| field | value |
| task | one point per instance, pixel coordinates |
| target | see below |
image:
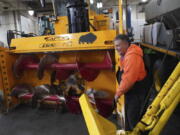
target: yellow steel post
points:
(120, 104)
(120, 17)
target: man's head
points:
(122, 43)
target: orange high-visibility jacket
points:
(132, 65)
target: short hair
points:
(122, 37)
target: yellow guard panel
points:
(96, 124)
(99, 40)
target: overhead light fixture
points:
(144, 1)
(31, 12)
(91, 1)
(99, 5)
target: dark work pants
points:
(134, 103)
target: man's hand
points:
(116, 97)
(115, 102)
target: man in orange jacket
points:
(132, 79)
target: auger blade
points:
(20, 89)
(88, 74)
(63, 74)
(21, 63)
(47, 60)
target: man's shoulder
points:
(134, 50)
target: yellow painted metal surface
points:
(91, 20)
(61, 25)
(120, 104)
(121, 31)
(92, 13)
(157, 82)
(65, 42)
(155, 105)
(1, 74)
(101, 22)
(162, 50)
(168, 105)
(1, 81)
(8, 79)
(105, 82)
(96, 124)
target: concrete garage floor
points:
(27, 121)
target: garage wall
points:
(16, 21)
(115, 18)
(6, 23)
(29, 25)
(137, 20)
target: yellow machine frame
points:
(69, 47)
(64, 42)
